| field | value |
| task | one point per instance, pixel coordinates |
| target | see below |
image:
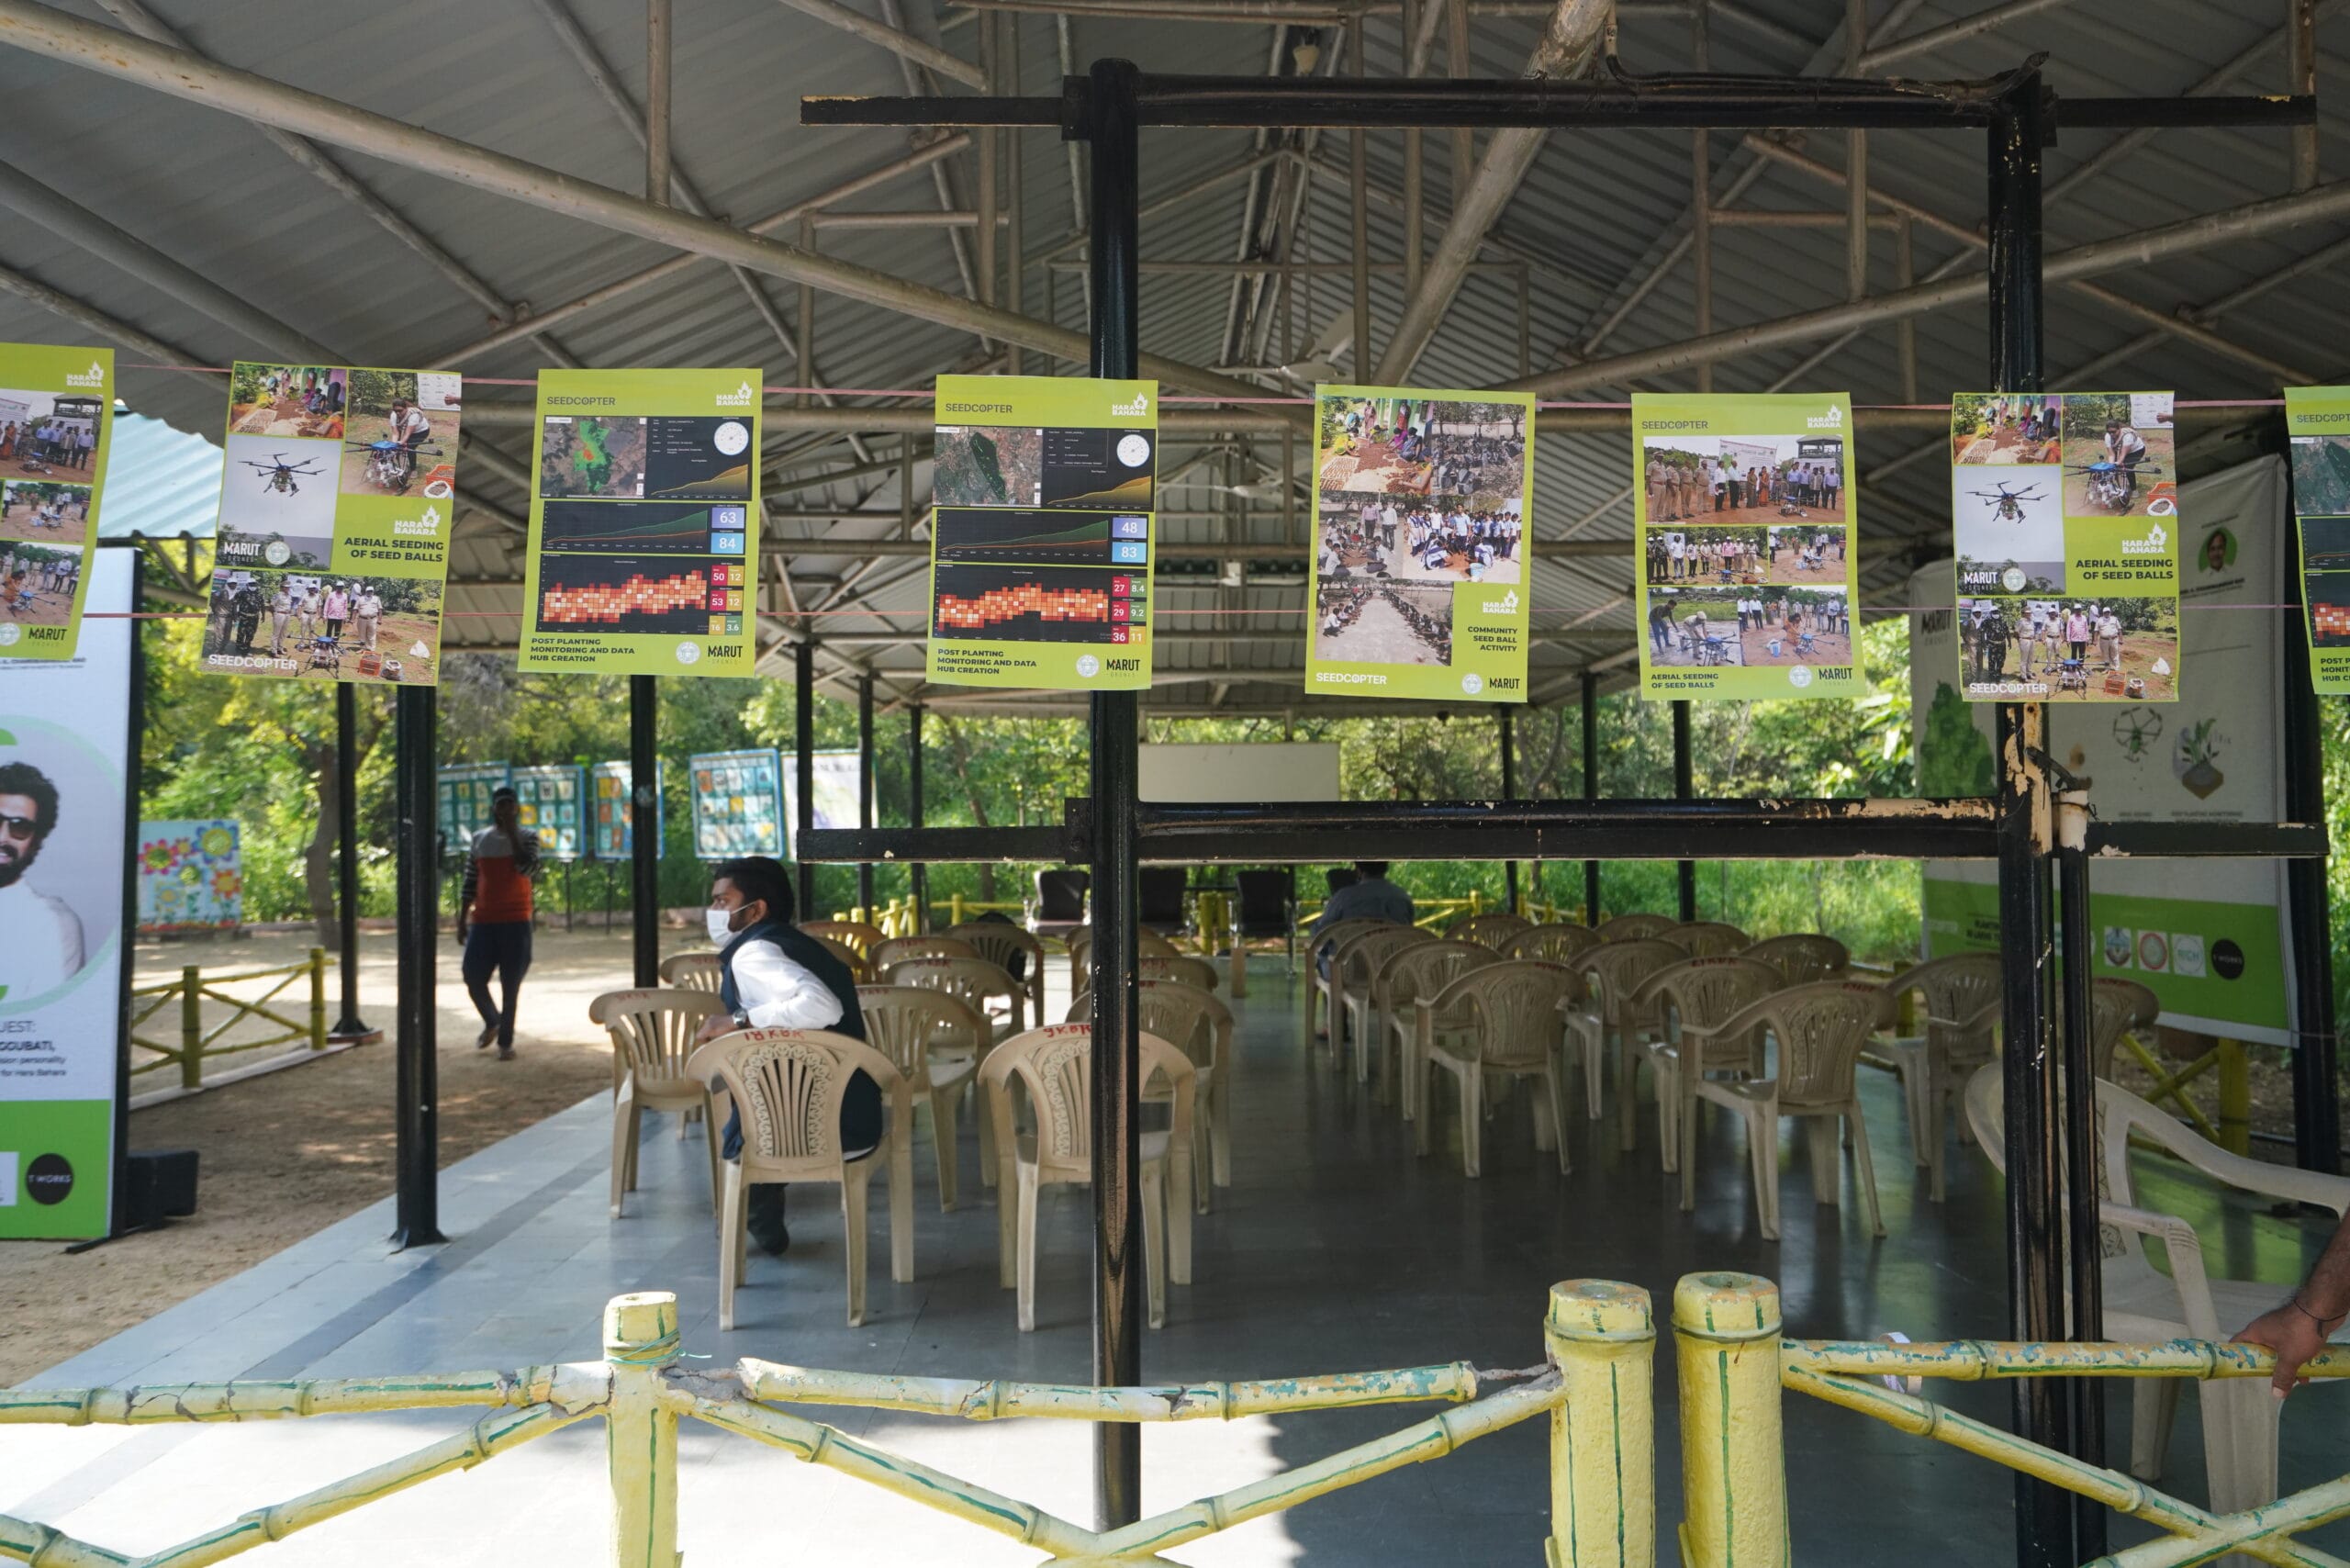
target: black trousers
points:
(503, 947)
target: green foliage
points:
(1956, 757)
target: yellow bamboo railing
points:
(197, 1044)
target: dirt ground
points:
(1827, 647)
(2007, 445)
(288, 1153)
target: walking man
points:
(494, 917)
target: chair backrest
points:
(1958, 990)
(2119, 1007)
(1558, 944)
(693, 971)
(652, 1031)
(1801, 957)
(1361, 957)
(1198, 1024)
(1267, 904)
(1820, 1029)
(1147, 943)
(1055, 1065)
(1158, 895)
(1181, 967)
(860, 969)
(1613, 970)
(853, 934)
(1335, 935)
(1492, 929)
(906, 1023)
(1000, 943)
(898, 949)
(973, 981)
(1635, 927)
(1513, 1004)
(1706, 938)
(787, 1085)
(1703, 992)
(1060, 895)
(1424, 968)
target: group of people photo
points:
(288, 400)
(36, 583)
(1431, 539)
(31, 510)
(1384, 623)
(1696, 626)
(1732, 479)
(1423, 446)
(305, 623)
(2004, 427)
(1732, 558)
(47, 432)
(2120, 649)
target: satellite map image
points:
(588, 455)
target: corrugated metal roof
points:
(1593, 215)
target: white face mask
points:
(721, 931)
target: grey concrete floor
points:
(1334, 1250)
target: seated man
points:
(775, 976)
(1371, 897)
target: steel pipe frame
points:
(1974, 26)
(923, 52)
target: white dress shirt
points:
(44, 946)
(778, 994)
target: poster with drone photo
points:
(335, 510)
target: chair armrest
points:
(2329, 1193)
(2184, 1250)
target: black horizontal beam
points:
(2232, 841)
(839, 845)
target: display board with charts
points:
(336, 503)
(644, 548)
(2066, 506)
(1041, 532)
(738, 803)
(552, 801)
(2318, 421)
(611, 832)
(191, 877)
(1744, 544)
(1422, 582)
(56, 414)
(462, 794)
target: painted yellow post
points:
(1476, 901)
(955, 911)
(2235, 1098)
(1733, 1469)
(640, 1435)
(191, 1027)
(1601, 1336)
(318, 999)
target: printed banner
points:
(56, 411)
(191, 877)
(612, 835)
(738, 803)
(2318, 419)
(837, 774)
(645, 523)
(65, 750)
(1041, 533)
(463, 791)
(1744, 531)
(1421, 586)
(336, 504)
(2067, 509)
(552, 800)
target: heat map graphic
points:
(1044, 607)
(639, 601)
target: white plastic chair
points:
(1511, 1032)
(1612, 973)
(2118, 1007)
(1160, 966)
(2144, 1304)
(1963, 994)
(788, 1084)
(975, 982)
(855, 934)
(1322, 999)
(1491, 929)
(937, 1040)
(1054, 1066)
(653, 1034)
(1687, 1000)
(1552, 943)
(1708, 939)
(998, 941)
(1353, 968)
(1200, 1027)
(1148, 944)
(1802, 956)
(1635, 927)
(1419, 969)
(693, 971)
(1820, 1029)
(903, 949)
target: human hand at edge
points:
(2294, 1334)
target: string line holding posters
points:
(56, 412)
(645, 523)
(1042, 533)
(2065, 507)
(2318, 421)
(1748, 571)
(336, 503)
(1421, 585)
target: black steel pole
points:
(2084, 1248)
(644, 826)
(2044, 1525)
(2317, 1065)
(1505, 721)
(803, 741)
(918, 874)
(1118, 1314)
(1590, 787)
(417, 1080)
(1683, 789)
(120, 1216)
(864, 789)
(350, 1026)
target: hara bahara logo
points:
(741, 397)
(1505, 605)
(1138, 409)
(2155, 543)
(425, 527)
(1833, 420)
(93, 376)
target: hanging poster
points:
(611, 834)
(56, 410)
(837, 774)
(645, 523)
(1420, 581)
(336, 503)
(463, 791)
(2318, 419)
(552, 800)
(65, 749)
(191, 877)
(738, 803)
(1041, 533)
(2066, 512)
(1744, 535)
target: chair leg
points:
(1863, 1166)
(1183, 1174)
(1666, 1075)
(1932, 1092)
(2154, 1405)
(1685, 1144)
(987, 1141)
(1554, 1083)
(2239, 1444)
(1007, 1225)
(1546, 1127)
(1202, 1157)
(1471, 1084)
(1156, 1207)
(1423, 1092)
(900, 1142)
(710, 1141)
(945, 1106)
(1027, 1248)
(854, 1182)
(1820, 1134)
(1220, 1128)
(1627, 1091)
(1587, 1052)
(623, 1144)
(1763, 1154)
(731, 1221)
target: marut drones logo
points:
(741, 397)
(93, 376)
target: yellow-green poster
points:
(1748, 569)
(2318, 419)
(56, 411)
(645, 523)
(1041, 533)
(1421, 579)
(336, 503)
(2066, 506)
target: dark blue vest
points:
(861, 1121)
